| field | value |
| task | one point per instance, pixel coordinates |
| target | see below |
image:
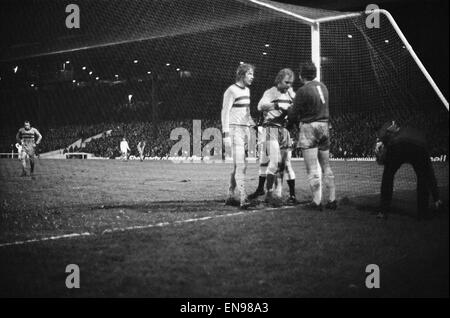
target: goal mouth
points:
(164, 64)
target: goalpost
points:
(179, 57)
(403, 39)
(373, 75)
(316, 41)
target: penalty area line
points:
(51, 238)
(140, 227)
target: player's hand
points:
(275, 105)
(227, 142)
(438, 205)
(290, 125)
(380, 153)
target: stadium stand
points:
(150, 78)
(353, 134)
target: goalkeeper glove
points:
(290, 125)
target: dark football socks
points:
(262, 180)
(291, 184)
(270, 181)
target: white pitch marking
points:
(139, 227)
(47, 239)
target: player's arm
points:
(38, 135)
(251, 120)
(267, 102)
(380, 152)
(291, 93)
(294, 112)
(18, 137)
(228, 100)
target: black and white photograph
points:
(240, 150)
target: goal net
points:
(144, 68)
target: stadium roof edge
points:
(262, 9)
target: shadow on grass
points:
(404, 203)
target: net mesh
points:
(142, 68)
(373, 78)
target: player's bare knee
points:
(314, 181)
(240, 168)
(272, 168)
(289, 171)
(328, 173)
(314, 177)
(290, 175)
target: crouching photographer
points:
(395, 147)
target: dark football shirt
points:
(311, 103)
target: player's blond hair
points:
(282, 74)
(242, 70)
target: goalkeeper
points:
(310, 109)
(396, 146)
(28, 138)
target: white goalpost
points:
(316, 39)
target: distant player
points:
(124, 149)
(28, 138)
(395, 147)
(236, 123)
(140, 148)
(277, 143)
(310, 109)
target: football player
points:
(275, 141)
(310, 109)
(236, 125)
(124, 149)
(28, 138)
(140, 148)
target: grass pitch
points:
(160, 229)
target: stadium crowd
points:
(353, 135)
